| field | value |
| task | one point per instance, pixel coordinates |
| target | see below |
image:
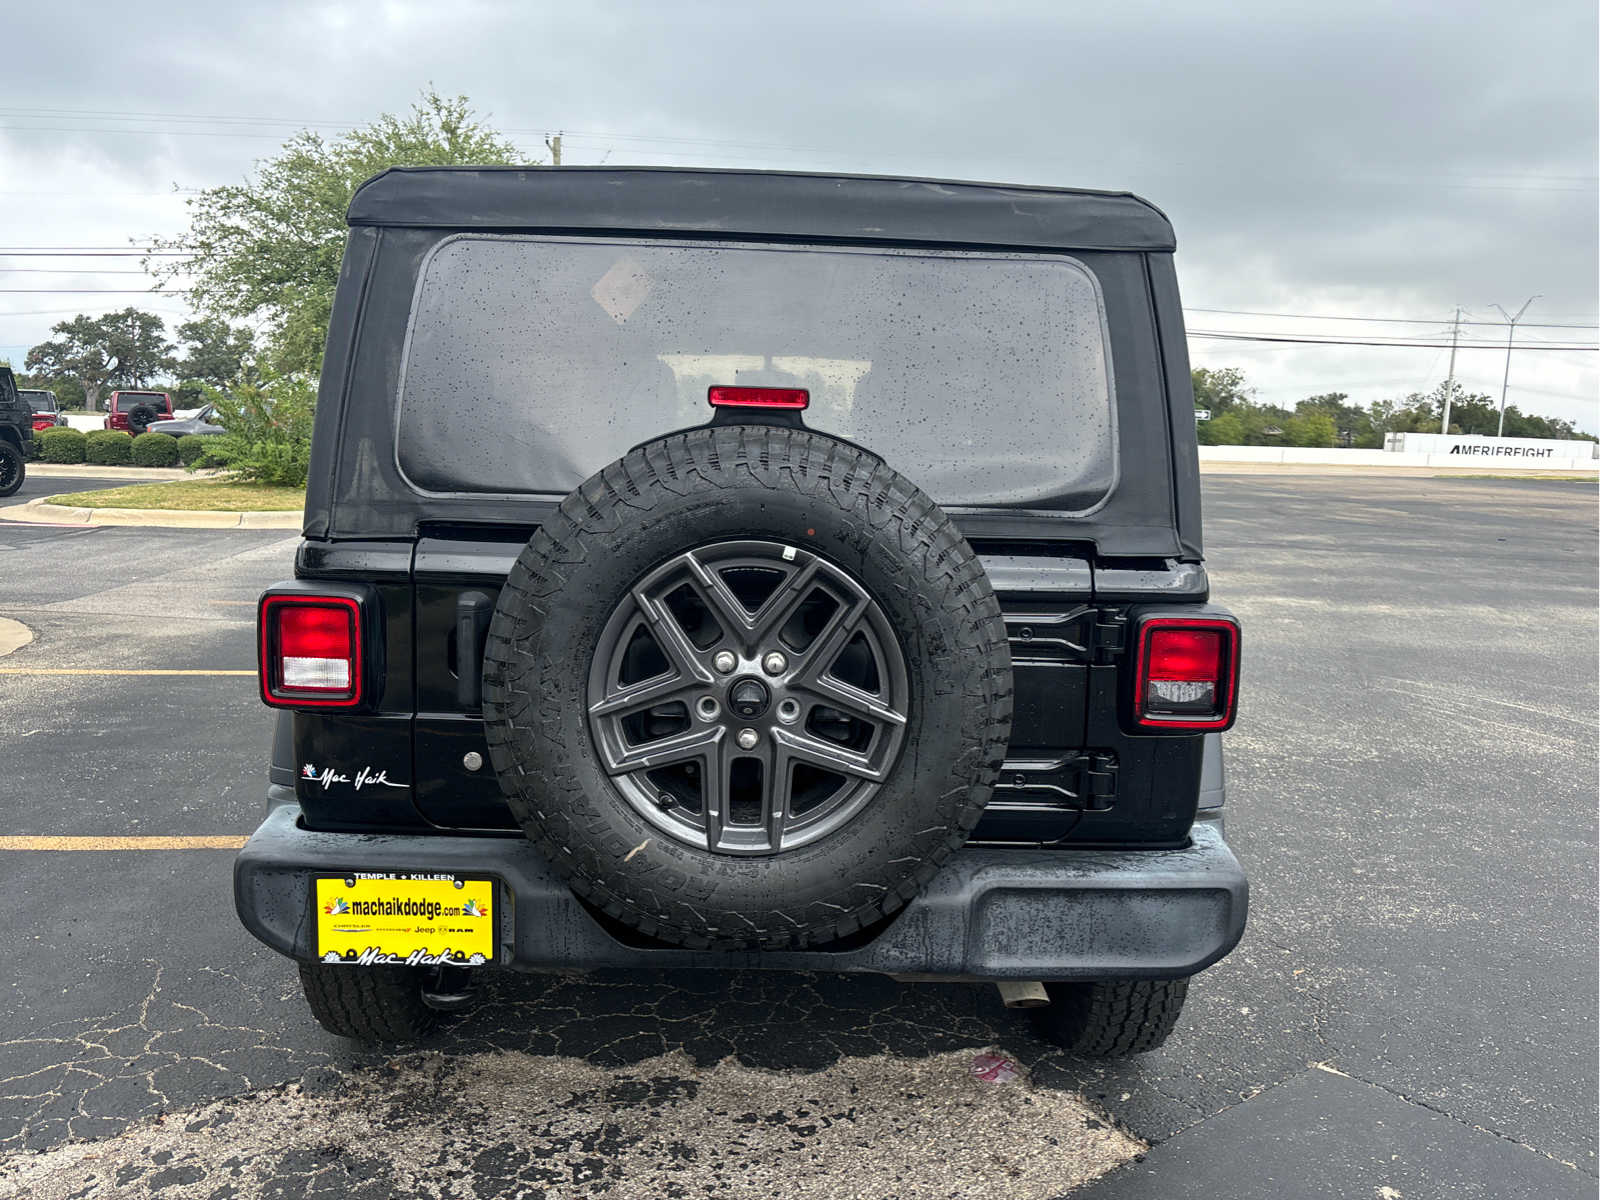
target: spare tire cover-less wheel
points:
(748, 687)
(140, 417)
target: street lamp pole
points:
(1505, 381)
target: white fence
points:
(1476, 446)
(1585, 465)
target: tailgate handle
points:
(473, 610)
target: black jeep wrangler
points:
(734, 569)
(16, 434)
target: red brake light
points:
(310, 651)
(1186, 674)
(758, 397)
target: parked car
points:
(44, 406)
(199, 424)
(135, 411)
(863, 625)
(16, 434)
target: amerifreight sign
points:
(1491, 450)
(414, 919)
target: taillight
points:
(1186, 674)
(310, 651)
(758, 397)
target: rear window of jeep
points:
(533, 362)
(129, 401)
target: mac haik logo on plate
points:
(473, 909)
(337, 908)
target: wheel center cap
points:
(749, 698)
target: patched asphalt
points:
(1411, 788)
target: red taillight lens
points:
(1187, 674)
(310, 651)
(758, 397)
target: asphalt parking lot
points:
(1411, 788)
(36, 484)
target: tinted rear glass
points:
(533, 362)
(41, 401)
(128, 401)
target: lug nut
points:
(725, 662)
(747, 739)
(774, 663)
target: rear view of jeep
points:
(749, 570)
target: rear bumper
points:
(989, 914)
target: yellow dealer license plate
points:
(413, 919)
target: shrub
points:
(155, 450)
(192, 448)
(60, 445)
(108, 448)
(269, 431)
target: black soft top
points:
(770, 204)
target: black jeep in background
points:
(741, 570)
(16, 434)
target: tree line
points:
(89, 357)
(1329, 419)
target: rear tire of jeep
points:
(1110, 1018)
(368, 1004)
(140, 418)
(13, 470)
(675, 859)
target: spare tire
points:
(140, 417)
(748, 687)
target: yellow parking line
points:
(224, 842)
(103, 671)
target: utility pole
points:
(1505, 382)
(554, 142)
(1450, 383)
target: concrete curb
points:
(42, 512)
(46, 470)
(14, 635)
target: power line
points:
(69, 271)
(76, 252)
(1251, 312)
(1224, 336)
(95, 292)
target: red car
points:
(42, 404)
(133, 411)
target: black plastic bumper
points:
(989, 914)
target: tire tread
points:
(368, 1004)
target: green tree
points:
(121, 349)
(1352, 425)
(214, 352)
(1312, 429)
(1219, 389)
(268, 250)
(1225, 430)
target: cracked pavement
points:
(1410, 788)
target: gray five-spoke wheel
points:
(747, 697)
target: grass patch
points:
(208, 495)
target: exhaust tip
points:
(1023, 994)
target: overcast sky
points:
(1353, 160)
